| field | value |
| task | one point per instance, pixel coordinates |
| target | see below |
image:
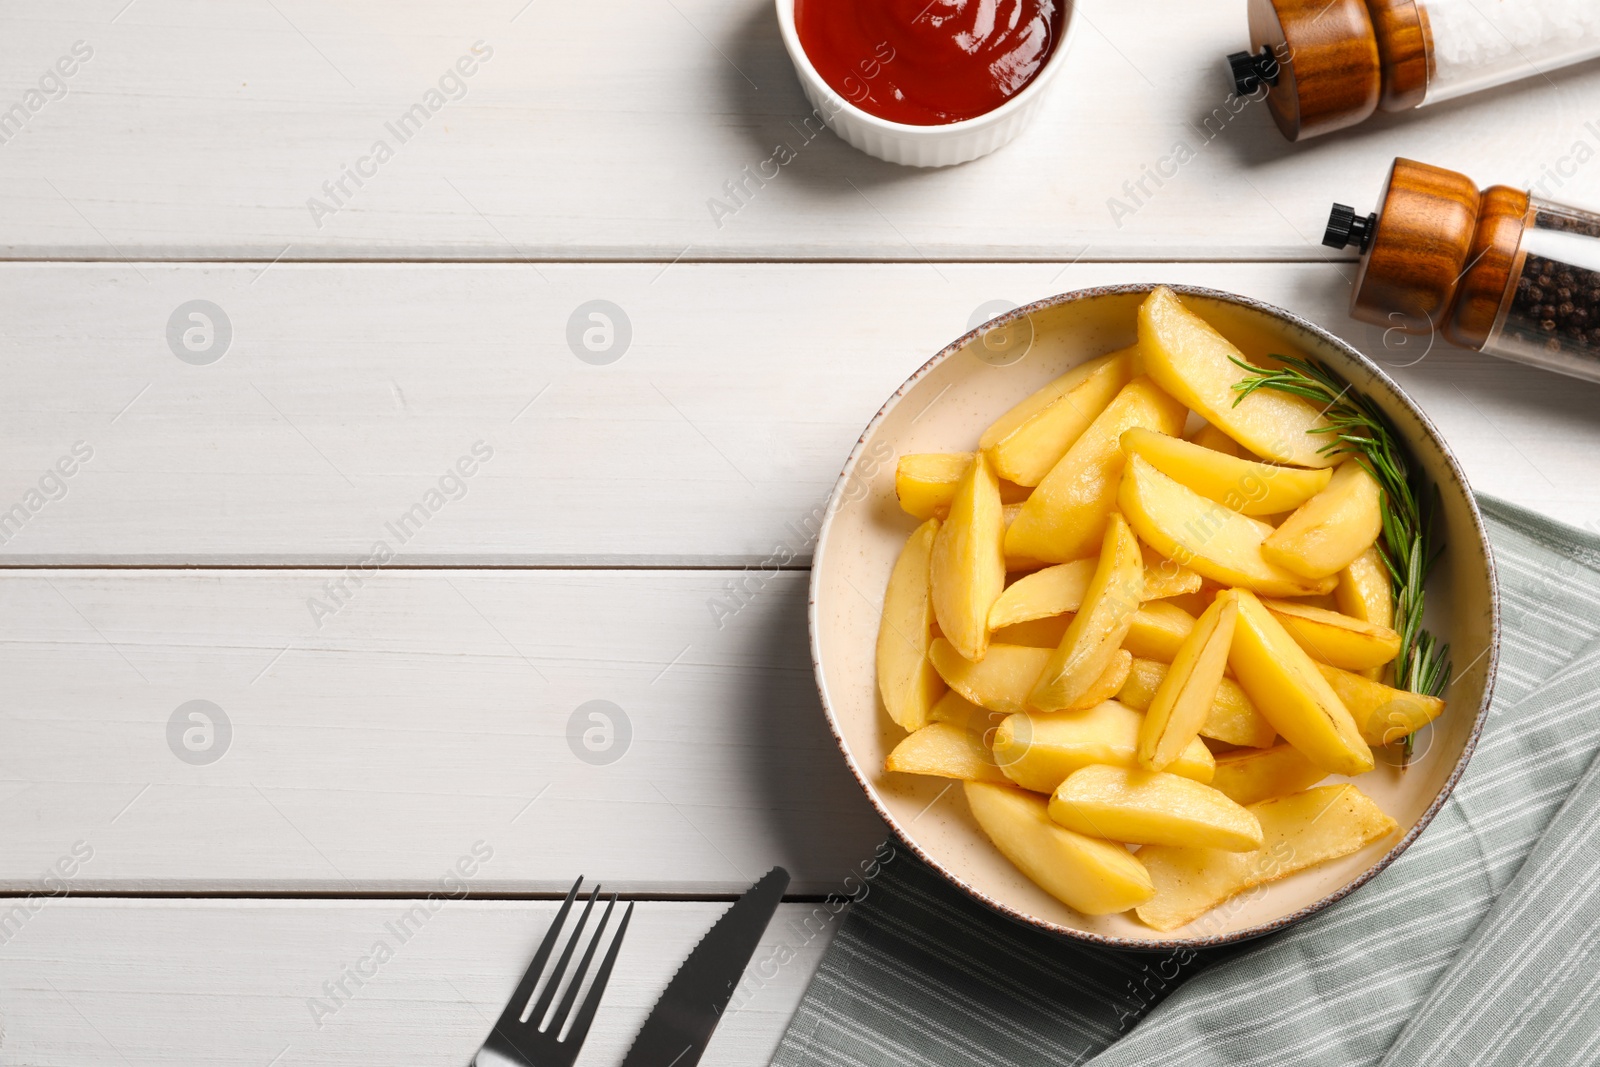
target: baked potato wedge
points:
(1031, 438)
(907, 682)
(1150, 808)
(945, 750)
(966, 568)
(1298, 831)
(1204, 536)
(1193, 362)
(1098, 629)
(1096, 877)
(1037, 750)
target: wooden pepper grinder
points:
(1328, 64)
(1495, 269)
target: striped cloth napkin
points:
(1479, 946)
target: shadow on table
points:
(761, 94)
(818, 821)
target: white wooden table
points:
(381, 727)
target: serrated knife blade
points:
(677, 1030)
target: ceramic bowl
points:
(922, 146)
(944, 407)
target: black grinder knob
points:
(1251, 69)
(1346, 228)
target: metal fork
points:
(540, 1043)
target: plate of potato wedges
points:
(1171, 622)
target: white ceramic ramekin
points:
(922, 146)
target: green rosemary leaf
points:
(1358, 427)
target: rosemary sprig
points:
(1357, 426)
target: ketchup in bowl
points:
(928, 62)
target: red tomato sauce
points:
(928, 62)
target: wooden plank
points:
(233, 982)
(348, 391)
(606, 131)
(433, 710)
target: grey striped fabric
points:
(1478, 946)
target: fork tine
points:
(536, 1016)
(565, 1006)
(586, 1010)
(530, 978)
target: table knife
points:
(680, 1026)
